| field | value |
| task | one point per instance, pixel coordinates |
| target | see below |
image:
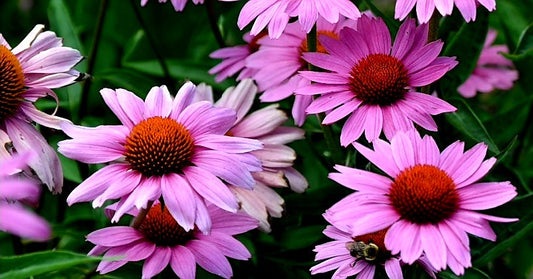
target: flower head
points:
(359, 255)
(493, 71)
(27, 73)
(160, 241)
(16, 190)
(276, 14)
(234, 59)
(373, 82)
(279, 78)
(425, 8)
(429, 200)
(276, 158)
(170, 148)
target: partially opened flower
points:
(27, 72)
(493, 71)
(234, 59)
(170, 148)
(276, 14)
(426, 8)
(16, 190)
(359, 255)
(160, 241)
(279, 78)
(374, 82)
(429, 199)
(276, 158)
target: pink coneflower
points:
(16, 190)
(429, 202)
(493, 71)
(27, 72)
(425, 8)
(373, 82)
(359, 255)
(276, 14)
(279, 77)
(276, 158)
(160, 241)
(174, 148)
(234, 59)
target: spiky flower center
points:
(319, 47)
(370, 247)
(11, 83)
(379, 79)
(162, 229)
(157, 146)
(424, 194)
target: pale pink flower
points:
(279, 77)
(16, 190)
(276, 14)
(425, 8)
(493, 71)
(346, 254)
(429, 199)
(170, 148)
(27, 72)
(234, 59)
(160, 241)
(276, 158)
(373, 82)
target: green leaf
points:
(465, 45)
(28, 265)
(128, 79)
(467, 122)
(301, 237)
(525, 43)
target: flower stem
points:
(137, 221)
(433, 35)
(331, 142)
(213, 23)
(169, 80)
(92, 58)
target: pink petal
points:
(157, 262)
(114, 236)
(183, 262)
(209, 257)
(211, 188)
(179, 199)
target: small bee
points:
(361, 250)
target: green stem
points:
(213, 23)
(433, 34)
(331, 142)
(151, 40)
(137, 221)
(92, 59)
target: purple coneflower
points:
(429, 200)
(425, 8)
(360, 255)
(27, 72)
(16, 190)
(276, 14)
(374, 82)
(276, 158)
(493, 71)
(174, 148)
(160, 241)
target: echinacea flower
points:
(493, 71)
(160, 241)
(16, 190)
(234, 59)
(425, 8)
(279, 78)
(359, 255)
(374, 82)
(276, 14)
(170, 148)
(276, 158)
(429, 200)
(27, 73)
